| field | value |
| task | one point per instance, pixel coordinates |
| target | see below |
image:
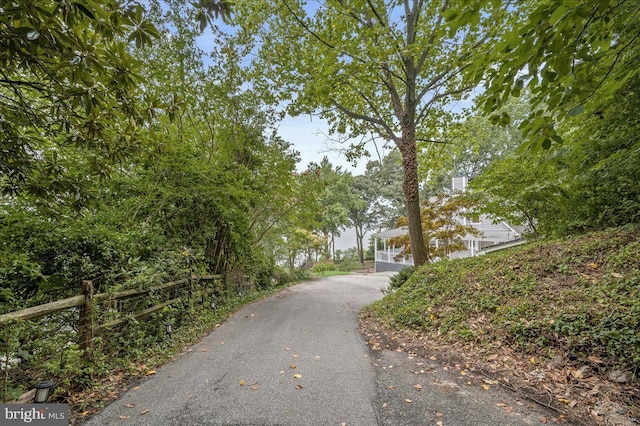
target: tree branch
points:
(376, 14)
(436, 97)
(305, 26)
(380, 124)
(393, 92)
(368, 102)
(425, 53)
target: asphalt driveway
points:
(297, 358)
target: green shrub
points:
(322, 267)
(348, 265)
(283, 276)
(401, 277)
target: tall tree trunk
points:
(360, 237)
(410, 189)
(333, 246)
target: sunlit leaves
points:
(569, 54)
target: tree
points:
(443, 223)
(220, 142)
(588, 182)
(375, 68)
(332, 200)
(67, 84)
(570, 55)
(385, 177)
(580, 61)
(524, 189)
(602, 150)
(362, 209)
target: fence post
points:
(86, 320)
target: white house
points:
(492, 236)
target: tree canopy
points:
(569, 55)
(68, 82)
(385, 69)
(126, 153)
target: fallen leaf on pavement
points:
(297, 376)
(294, 355)
(408, 401)
(292, 366)
(143, 412)
(298, 386)
(124, 417)
(242, 383)
(418, 386)
(150, 373)
(439, 414)
(130, 405)
(204, 350)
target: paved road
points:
(297, 358)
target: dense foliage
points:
(131, 155)
(578, 296)
(588, 182)
(68, 93)
(207, 193)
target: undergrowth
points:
(579, 297)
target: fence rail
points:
(76, 322)
(75, 301)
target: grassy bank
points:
(576, 299)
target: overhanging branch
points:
(382, 127)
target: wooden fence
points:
(99, 313)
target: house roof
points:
(392, 233)
(500, 231)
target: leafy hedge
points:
(322, 267)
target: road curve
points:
(311, 326)
(297, 358)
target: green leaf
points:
(450, 14)
(85, 11)
(557, 14)
(578, 109)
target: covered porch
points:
(387, 256)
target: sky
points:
(309, 136)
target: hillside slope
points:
(561, 318)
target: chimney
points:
(459, 183)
